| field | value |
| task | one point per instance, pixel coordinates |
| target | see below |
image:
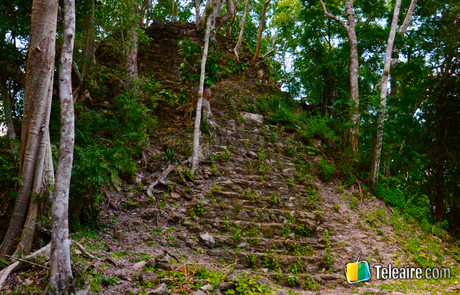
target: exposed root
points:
(161, 179)
(18, 264)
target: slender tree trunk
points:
(61, 279)
(240, 37)
(7, 108)
(37, 107)
(383, 96)
(197, 14)
(229, 34)
(439, 212)
(197, 133)
(353, 69)
(409, 17)
(132, 52)
(261, 28)
(88, 51)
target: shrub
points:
(326, 170)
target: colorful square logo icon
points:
(357, 272)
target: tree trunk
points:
(353, 72)
(197, 14)
(229, 34)
(7, 108)
(231, 10)
(240, 37)
(131, 57)
(61, 280)
(353, 69)
(409, 17)
(88, 51)
(261, 28)
(197, 133)
(383, 97)
(37, 107)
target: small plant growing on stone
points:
(237, 234)
(290, 181)
(302, 232)
(250, 195)
(354, 202)
(274, 198)
(199, 208)
(336, 207)
(216, 188)
(326, 170)
(225, 155)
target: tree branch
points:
(271, 51)
(331, 16)
(409, 17)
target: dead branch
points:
(26, 261)
(82, 249)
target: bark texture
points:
(383, 96)
(409, 17)
(229, 34)
(37, 107)
(199, 105)
(61, 279)
(240, 37)
(353, 68)
(261, 28)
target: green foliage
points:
(326, 170)
(217, 65)
(107, 144)
(246, 285)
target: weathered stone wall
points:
(160, 57)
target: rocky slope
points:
(259, 205)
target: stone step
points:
(270, 261)
(254, 214)
(304, 228)
(281, 246)
(276, 201)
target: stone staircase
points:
(260, 211)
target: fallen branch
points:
(82, 249)
(26, 261)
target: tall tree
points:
(37, 107)
(384, 85)
(261, 28)
(61, 279)
(199, 105)
(383, 96)
(213, 22)
(353, 68)
(240, 36)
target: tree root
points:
(161, 179)
(45, 251)
(18, 264)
